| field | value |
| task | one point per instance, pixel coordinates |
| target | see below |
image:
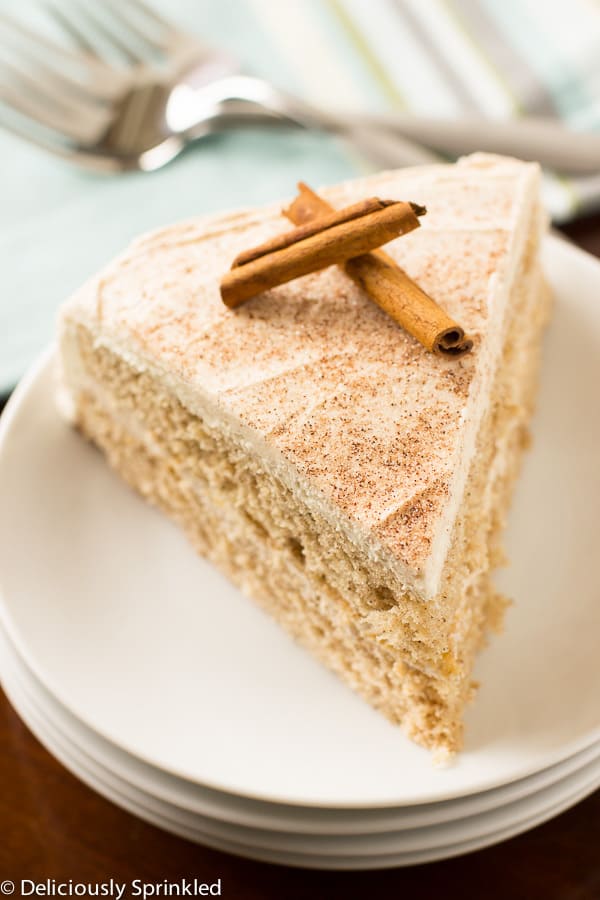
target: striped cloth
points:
(493, 58)
(440, 57)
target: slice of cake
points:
(351, 482)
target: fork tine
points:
(62, 149)
(71, 28)
(39, 111)
(49, 86)
(56, 76)
(34, 40)
(70, 87)
(150, 13)
(136, 27)
(81, 23)
(36, 95)
(103, 78)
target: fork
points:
(138, 90)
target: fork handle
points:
(547, 141)
(243, 99)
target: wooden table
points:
(51, 826)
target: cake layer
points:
(315, 364)
(409, 658)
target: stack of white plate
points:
(158, 684)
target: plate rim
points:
(309, 860)
(33, 695)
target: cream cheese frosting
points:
(372, 429)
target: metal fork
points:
(138, 90)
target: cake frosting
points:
(370, 427)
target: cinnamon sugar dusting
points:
(374, 423)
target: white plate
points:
(237, 811)
(153, 649)
(32, 702)
(547, 804)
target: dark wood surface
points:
(53, 827)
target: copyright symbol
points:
(7, 887)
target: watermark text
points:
(51, 887)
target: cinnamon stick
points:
(328, 220)
(330, 238)
(389, 286)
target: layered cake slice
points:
(351, 482)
